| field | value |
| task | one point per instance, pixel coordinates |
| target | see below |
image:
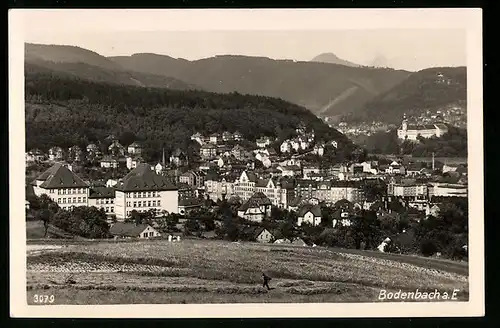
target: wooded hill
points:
(71, 111)
(429, 89)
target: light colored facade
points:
(412, 132)
(447, 190)
(407, 190)
(102, 198)
(62, 186)
(141, 190)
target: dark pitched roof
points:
(58, 176)
(101, 192)
(251, 176)
(257, 200)
(190, 202)
(421, 127)
(127, 229)
(143, 178)
(178, 152)
(314, 209)
(344, 203)
(135, 144)
(252, 231)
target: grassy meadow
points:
(206, 271)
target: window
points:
(84, 199)
(149, 203)
(59, 200)
(136, 195)
(58, 191)
(107, 209)
(97, 201)
(64, 200)
(128, 204)
(135, 204)
(112, 209)
(71, 191)
(107, 201)
(151, 234)
(112, 201)
(154, 202)
(158, 202)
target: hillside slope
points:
(309, 84)
(429, 89)
(331, 58)
(68, 111)
(68, 61)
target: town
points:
(262, 185)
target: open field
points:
(198, 271)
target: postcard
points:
(246, 163)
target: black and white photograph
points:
(315, 163)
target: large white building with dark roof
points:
(411, 132)
(143, 189)
(62, 186)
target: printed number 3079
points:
(43, 299)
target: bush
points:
(428, 248)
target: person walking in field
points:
(266, 281)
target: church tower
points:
(404, 124)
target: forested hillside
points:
(68, 111)
(429, 89)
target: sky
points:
(410, 42)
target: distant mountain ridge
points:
(320, 87)
(331, 58)
(67, 61)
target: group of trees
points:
(88, 222)
(68, 112)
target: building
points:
(102, 197)
(109, 162)
(258, 234)
(208, 151)
(237, 136)
(135, 148)
(56, 154)
(186, 205)
(286, 146)
(290, 170)
(178, 158)
(143, 189)
(227, 136)
(310, 214)
(34, 155)
(131, 230)
(62, 186)
(93, 149)
(319, 150)
(218, 187)
(263, 142)
(308, 171)
(256, 208)
(198, 138)
(412, 132)
(133, 162)
(215, 138)
(407, 189)
(116, 149)
(238, 152)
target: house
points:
(227, 136)
(290, 170)
(298, 242)
(256, 208)
(135, 148)
(143, 189)
(310, 214)
(208, 151)
(62, 186)
(258, 234)
(188, 204)
(116, 149)
(178, 158)
(56, 154)
(307, 171)
(215, 138)
(131, 230)
(93, 149)
(132, 162)
(198, 137)
(238, 152)
(319, 150)
(395, 168)
(102, 197)
(413, 132)
(35, 155)
(286, 146)
(109, 162)
(263, 142)
(237, 136)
